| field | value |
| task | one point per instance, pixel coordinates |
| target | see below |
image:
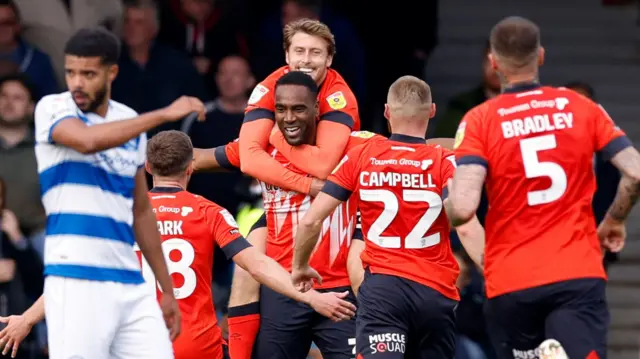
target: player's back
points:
(540, 145)
(400, 189)
(188, 244)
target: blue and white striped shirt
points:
(88, 198)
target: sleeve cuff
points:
(472, 160)
(339, 117)
(221, 157)
(336, 191)
(235, 246)
(614, 147)
(257, 114)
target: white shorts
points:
(103, 320)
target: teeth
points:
(306, 70)
(292, 129)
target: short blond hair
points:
(409, 96)
(309, 27)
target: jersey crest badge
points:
(258, 92)
(337, 101)
(362, 134)
(459, 135)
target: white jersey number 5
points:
(534, 168)
(181, 266)
(415, 239)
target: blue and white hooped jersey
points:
(88, 198)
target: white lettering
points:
(170, 228)
(393, 179)
(537, 124)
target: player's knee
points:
(244, 289)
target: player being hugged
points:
(407, 299)
(533, 145)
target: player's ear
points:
(493, 62)
(386, 112)
(432, 110)
(329, 60)
(540, 56)
(286, 56)
(112, 72)
(147, 167)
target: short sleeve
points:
(225, 231)
(344, 179)
(49, 111)
(610, 139)
(447, 169)
(468, 144)
(340, 106)
(142, 150)
(261, 103)
(228, 156)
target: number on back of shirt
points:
(415, 239)
(181, 266)
(534, 168)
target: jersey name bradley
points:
(537, 124)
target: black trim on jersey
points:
(221, 157)
(245, 309)
(472, 160)
(407, 139)
(339, 117)
(445, 193)
(260, 223)
(521, 87)
(336, 191)
(614, 147)
(357, 235)
(166, 189)
(235, 246)
(257, 114)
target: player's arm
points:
(68, 130)
(19, 326)
(628, 162)
(471, 172)
(338, 115)
(257, 163)
(442, 141)
(225, 157)
(354, 263)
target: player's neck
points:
(103, 109)
(409, 128)
(518, 79)
(170, 182)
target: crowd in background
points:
(216, 51)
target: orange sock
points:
(244, 323)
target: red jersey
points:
(190, 227)
(399, 184)
(284, 209)
(538, 144)
(336, 100)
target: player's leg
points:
(244, 301)
(82, 317)
(285, 327)
(142, 333)
(335, 340)
(515, 323)
(382, 320)
(433, 331)
(581, 320)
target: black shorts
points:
(287, 329)
(399, 318)
(573, 312)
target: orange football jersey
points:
(399, 184)
(336, 100)
(538, 146)
(284, 209)
(190, 227)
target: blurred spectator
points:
(19, 168)
(48, 24)
(224, 118)
(152, 75)
(349, 60)
(8, 68)
(607, 175)
(204, 31)
(21, 280)
(29, 59)
(446, 125)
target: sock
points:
(244, 323)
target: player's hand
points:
(171, 314)
(332, 305)
(10, 225)
(612, 234)
(184, 106)
(316, 186)
(303, 277)
(14, 333)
